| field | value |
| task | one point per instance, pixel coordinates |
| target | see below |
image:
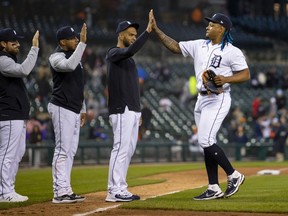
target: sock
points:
(211, 168)
(235, 174)
(214, 187)
(220, 158)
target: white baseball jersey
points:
(211, 110)
(208, 56)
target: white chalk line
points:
(164, 194)
(172, 192)
(97, 210)
(115, 206)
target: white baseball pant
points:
(12, 149)
(209, 113)
(125, 130)
(66, 129)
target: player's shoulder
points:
(4, 60)
(4, 57)
(193, 43)
(233, 48)
(57, 56)
(112, 49)
(197, 41)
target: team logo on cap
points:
(72, 30)
(14, 32)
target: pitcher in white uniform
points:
(228, 62)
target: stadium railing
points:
(93, 152)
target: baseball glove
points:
(209, 83)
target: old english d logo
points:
(215, 61)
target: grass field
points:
(267, 193)
(260, 194)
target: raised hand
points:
(35, 40)
(151, 16)
(149, 26)
(83, 33)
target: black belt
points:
(203, 93)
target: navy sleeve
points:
(117, 54)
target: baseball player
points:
(124, 106)
(67, 108)
(14, 109)
(228, 62)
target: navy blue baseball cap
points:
(9, 34)
(221, 19)
(124, 25)
(66, 32)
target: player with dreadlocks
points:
(227, 38)
(228, 62)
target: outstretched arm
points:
(116, 54)
(10, 68)
(168, 42)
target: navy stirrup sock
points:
(219, 156)
(211, 168)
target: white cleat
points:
(13, 197)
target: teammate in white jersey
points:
(228, 62)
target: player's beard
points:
(13, 51)
(72, 47)
(126, 43)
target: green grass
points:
(258, 194)
(37, 183)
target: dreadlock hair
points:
(227, 38)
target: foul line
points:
(172, 192)
(97, 210)
(115, 206)
(164, 194)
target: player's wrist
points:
(149, 30)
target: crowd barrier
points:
(93, 152)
